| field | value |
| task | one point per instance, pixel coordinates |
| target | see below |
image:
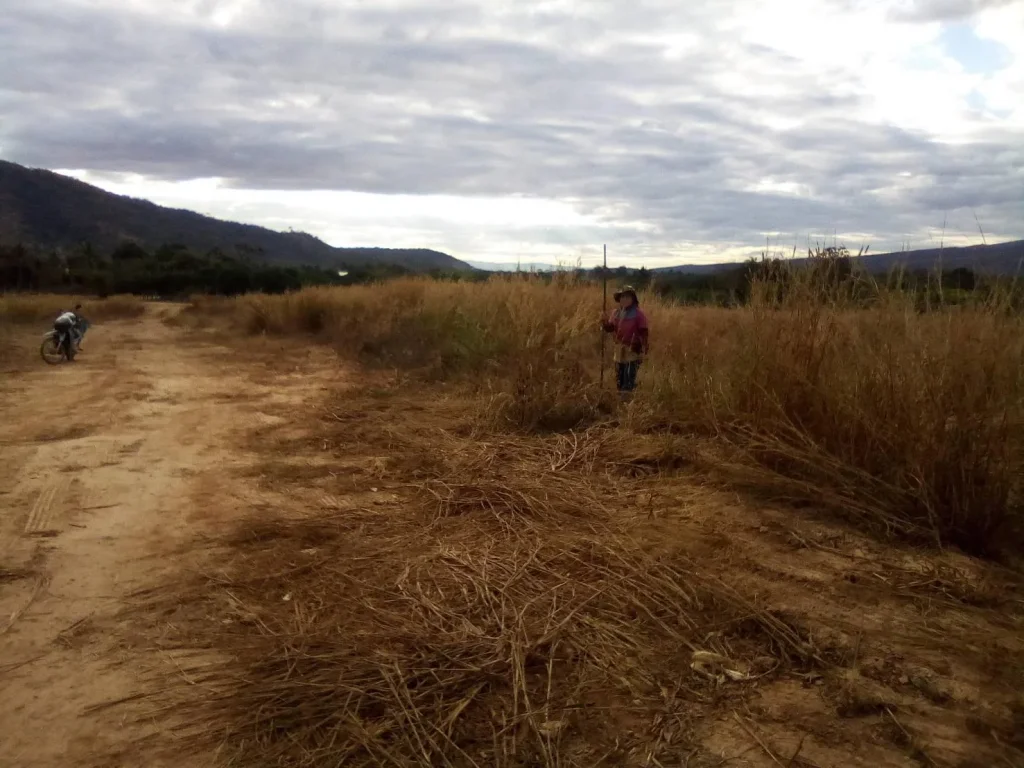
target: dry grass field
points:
(906, 422)
(404, 524)
(42, 307)
(764, 559)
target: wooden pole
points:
(604, 309)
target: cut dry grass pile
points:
(906, 422)
(24, 308)
(515, 481)
(468, 650)
(498, 614)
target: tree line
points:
(174, 271)
(829, 272)
(169, 271)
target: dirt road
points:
(108, 468)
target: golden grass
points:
(905, 421)
(20, 308)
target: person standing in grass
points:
(628, 325)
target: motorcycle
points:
(58, 346)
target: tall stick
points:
(604, 309)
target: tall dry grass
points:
(23, 308)
(533, 352)
(904, 421)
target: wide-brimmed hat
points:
(626, 290)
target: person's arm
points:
(641, 338)
(608, 323)
(640, 341)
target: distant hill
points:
(515, 266)
(44, 208)
(1000, 259)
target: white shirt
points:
(67, 317)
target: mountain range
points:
(46, 209)
(998, 258)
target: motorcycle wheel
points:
(51, 352)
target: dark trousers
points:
(68, 330)
(626, 375)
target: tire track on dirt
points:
(101, 504)
(122, 467)
(47, 505)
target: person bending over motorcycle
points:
(81, 326)
(72, 326)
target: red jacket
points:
(630, 329)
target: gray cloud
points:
(448, 100)
(943, 10)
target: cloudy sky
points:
(675, 131)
